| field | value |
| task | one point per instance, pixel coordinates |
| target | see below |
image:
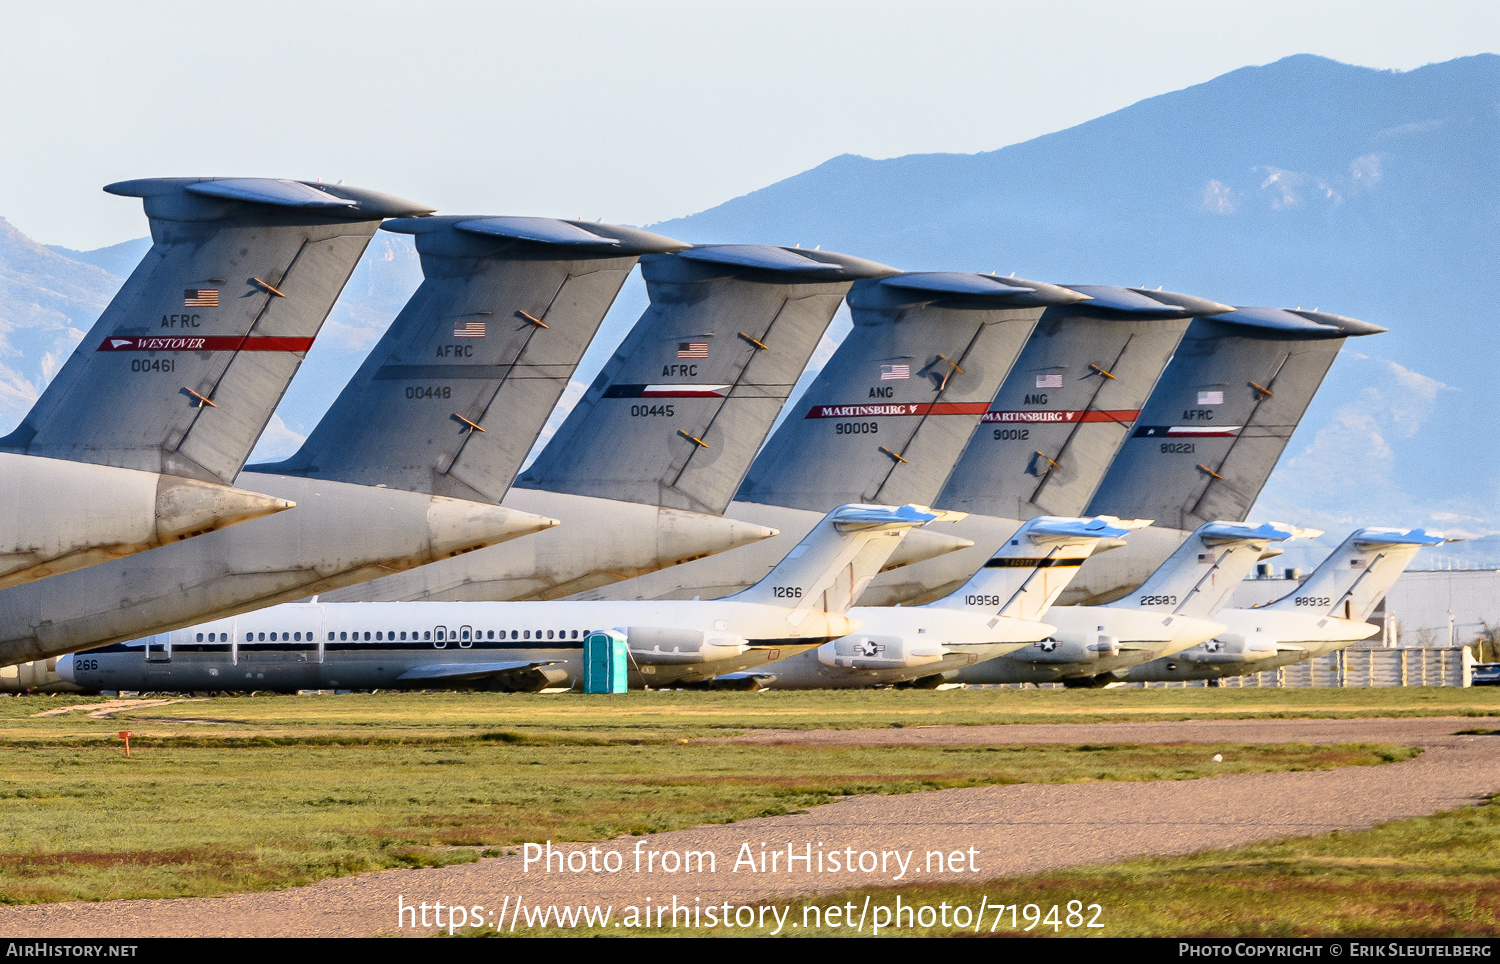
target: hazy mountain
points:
(1303, 182)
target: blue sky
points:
(634, 113)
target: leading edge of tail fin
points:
(451, 398)
(1025, 576)
(186, 364)
(832, 565)
(678, 413)
(1354, 578)
(1199, 577)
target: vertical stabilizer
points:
(1354, 578)
(676, 416)
(186, 365)
(834, 562)
(1199, 577)
(1221, 415)
(1069, 402)
(1025, 576)
(456, 391)
(891, 411)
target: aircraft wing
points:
(519, 676)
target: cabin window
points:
(491, 635)
(528, 634)
(297, 636)
(200, 637)
(330, 637)
(403, 635)
(367, 637)
(262, 637)
(378, 636)
(343, 635)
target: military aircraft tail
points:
(834, 562)
(186, 365)
(1199, 577)
(676, 416)
(1069, 402)
(891, 411)
(1221, 415)
(1354, 578)
(1026, 575)
(454, 394)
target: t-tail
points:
(1354, 578)
(1069, 402)
(1221, 414)
(1024, 578)
(890, 413)
(1200, 576)
(454, 394)
(676, 416)
(834, 562)
(187, 363)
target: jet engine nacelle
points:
(863, 651)
(1073, 650)
(655, 646)
(1229, 649)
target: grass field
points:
(236, 794)
(687, 714)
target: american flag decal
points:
(200, 298)
(468, 329)
(889, 372)
(692, 349)
(1211, 398)
(1049, 381)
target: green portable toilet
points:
(604, 662)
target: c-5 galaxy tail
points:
(1221, 415)
(454, 394)
(1069, 402)
(677, 415)
(182, 371)
(1026, 575)
(1354, 578)
(834, 562)
(1199, 577)
(891, 411)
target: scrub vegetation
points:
(238, 794)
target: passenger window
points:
(343, 635)
(262, 637)
(330, 637)
(427, 634)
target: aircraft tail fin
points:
(1069, 402)
(832, 565)
(1355, 577)
(1026, 575)
(676, 416)
(452, 397)
(1221, 414)
(1199, 577)
(890, 413)
(187, 363)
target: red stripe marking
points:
(1122, 416)
(897, 409)
(205, 343)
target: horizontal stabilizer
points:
(1199, 577)
(1355, 577)
(1221, 414)
(834, 562)
(185, 366)
(1035, 564)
